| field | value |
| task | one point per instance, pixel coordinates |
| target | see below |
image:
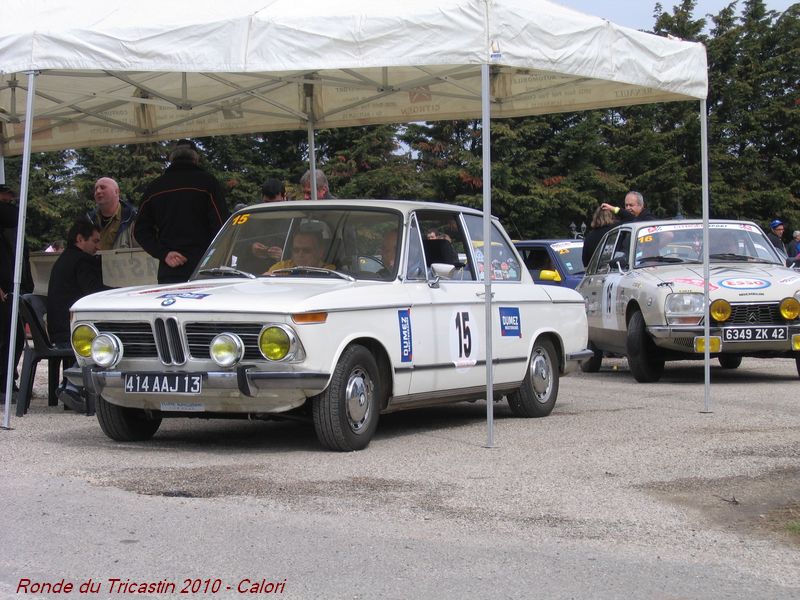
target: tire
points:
(729, 361)
(593, 364)
(346, 413)
(797, 364)
(537, 395)
(644, 358)
(124, 424)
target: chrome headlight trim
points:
(107, 350)
(226, 349)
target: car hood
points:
(265, 294)
(734, 279)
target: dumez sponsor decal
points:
(406, 343)
(510, 325)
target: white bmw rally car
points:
(338, 310)
(644, 296)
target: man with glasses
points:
(307, 251)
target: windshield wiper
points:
(732, 256)
(664, 259)
(224, 271)
(300, 270)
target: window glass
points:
(444, 245)
(505, 265)
(416, 258)
(360, 242)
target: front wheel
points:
(346, 413)
(537, 395)
(729, 361)
(644, 358)
(124, 424)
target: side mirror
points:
(548, 275)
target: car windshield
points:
(683, 243)
(569, 256)
(358, 243)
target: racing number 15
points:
(464, 335)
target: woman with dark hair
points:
(602, 221)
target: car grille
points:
(767, 313)
(199, 336)
(164, 339)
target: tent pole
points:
(487, 249)
(23, 205)
(706, 266)
(312, 150)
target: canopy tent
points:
(109, 72)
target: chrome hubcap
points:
(541, 375)
(359, 395)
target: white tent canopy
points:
(126, 72)
(120, 71)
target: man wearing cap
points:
(776, 236)
(113, 216)
(8, 245)
(181, 212)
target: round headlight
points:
(227, 349)
(82, 337)
(720, 310)
(275, 343)
(106, 350)
(790, 308)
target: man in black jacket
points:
(181, 212)
(634, 210)
(76, 273)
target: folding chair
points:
(32, 309)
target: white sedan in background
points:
(337, 311)
(644, 296)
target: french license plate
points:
(754, 334)
(163, 383)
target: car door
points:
(601, 289)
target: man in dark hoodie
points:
(77, 273)
(181, 212)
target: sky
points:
(638, 14)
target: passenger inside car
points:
(307, 251)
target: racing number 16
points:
(464, 335)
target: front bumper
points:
(681, 338)
(245, 390)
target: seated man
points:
(307, 251)
(76, 273)
(388, 252)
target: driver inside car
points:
(307, 251)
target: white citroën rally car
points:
(337, 310)
(644, 296)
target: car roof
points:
(546, 242)
(405, 206)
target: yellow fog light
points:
(275, 342)
(82, 337)
(226, 349)
(720, 310)
(790, 308)
(106, 350)
(714, 343)
(796, 342)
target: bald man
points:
(113, 216)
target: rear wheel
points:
(125, 424)
(797, 364)
(593, 364)
(537, 395)
(346, 413)
(644, 358)
(729, 361)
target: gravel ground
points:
(626, 490)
